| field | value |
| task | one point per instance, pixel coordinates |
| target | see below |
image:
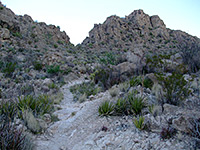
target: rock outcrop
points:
(136, 31)
(34, 34)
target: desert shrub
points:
(38, 105)
(8, 109)
(175, 88)
(106, 109)
(106, 77)
(121, 107)
(139, 123)
(157, 62)
(136, 103)
(84, 90)
(190, 55)
(109, 58)
(53, 69)
(37, 65)
(167, 133)
(12, 138)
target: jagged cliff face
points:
(136, 31)
(22, 31)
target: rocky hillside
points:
(132, 84)
(138, 33)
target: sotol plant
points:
(139, 123)
(106, 109)
(136, 103)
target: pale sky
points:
(77, 17)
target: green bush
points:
(106, 109)
(136, 103)
(175, 88)
(52, 69)
(38, 105)
(139, 123)
(106, 77)
(37, 65)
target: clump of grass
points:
(106, 109)
(139, 123)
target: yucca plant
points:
(136, 103)
(139, 123)
(106, 109)
(121, 107)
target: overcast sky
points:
(77, 17)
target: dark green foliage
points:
(9, 68)
(8, 109)
(121, 107)
(147, 83)
(136, 103)
(109, 58)
(167, 133)
(37, 65)
(138, 80)
(38, 105)
(55, 46)
(12, 138)
(87, 88)
(53, 69)
(156, 62)
(106, 109)
(106, 77)
(175, 87)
